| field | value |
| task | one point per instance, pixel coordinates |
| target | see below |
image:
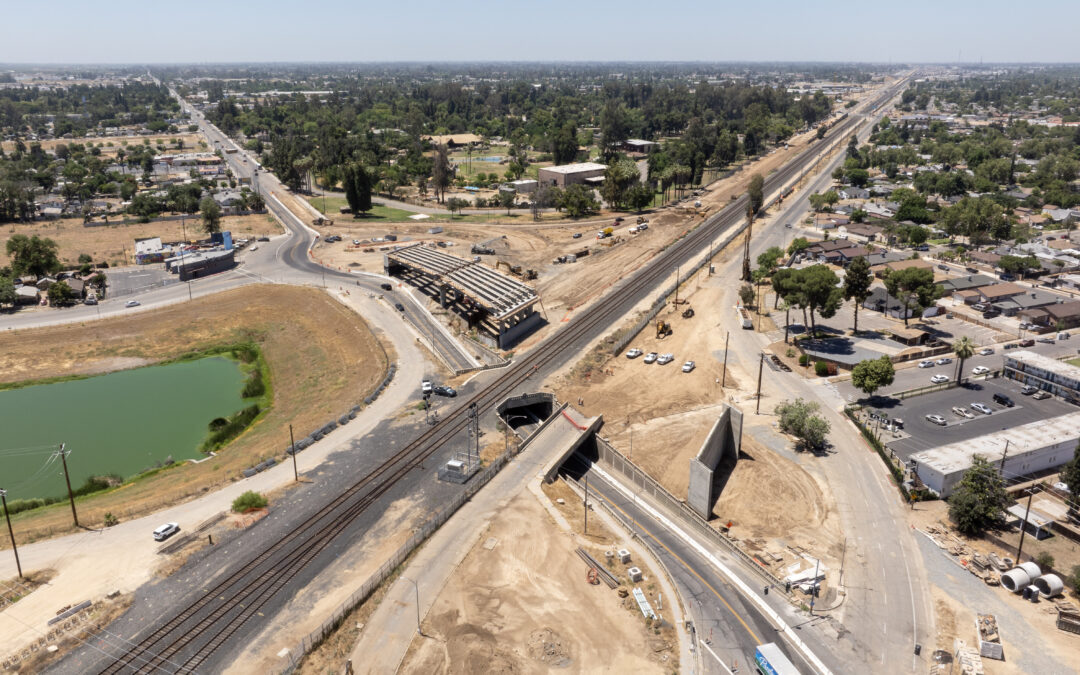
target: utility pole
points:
(761, 364)
(1005, 454)
(746, 245)
(676, 286)
(1023, 529)
(11, 532)
(63, 458)
(723, 379)
(296, 474)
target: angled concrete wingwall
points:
(714, 462)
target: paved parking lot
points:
(920, 434)
(128, 280)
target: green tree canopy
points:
(211, 215)
(872, 374)
(979, 499)
(756, 192)
(857, 280)
(32, 255)
(914, 287)
(799, 418)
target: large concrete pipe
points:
(1015, 580)
(1031, 568)
(1049, 585)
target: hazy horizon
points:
(483, 31)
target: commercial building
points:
(571, 174)
(1057, 377)
(1027, 449)
(196, 265)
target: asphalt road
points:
(883, 616)
(728, 626)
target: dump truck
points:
(744, 317)
(663, 329)
(605, 233)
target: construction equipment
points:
(605, 233)
(688, 313)
(322, 222)
(592, 578)
(480, 249)
(663, 329)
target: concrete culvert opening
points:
(1015, 580)
(1049, 585)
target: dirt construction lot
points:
(519, 603)
(323, 359)
(115, 244)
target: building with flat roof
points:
(570, 174)
(1034, 447)
(1057, 377)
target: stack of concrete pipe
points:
(1028, 574)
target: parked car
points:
(688, 366)
(980, 370)
(443, 390)
(986, 351)
(386, 287)
(1027, 343)
(962, 412)
(1011, 345)
(165, 531)
(90, 300)
(981, 407)
(943, 361)
(254, 248)
(633, 353)
(577, 235)
(665, 358)
(1064, 335)
(651, 357)
(1046, 340)
(943, 267)
(1028, 390)
(1004, 400)
(132, 303)
(355, 242)
(399, 307)
(939, 378)
(1040, 395)
(425, 386)
(264, 238)
(926, 364)
(936, 419)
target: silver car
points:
(633, 353)
(651, 357)
(936, 419)
(984, 409)
(665, 358)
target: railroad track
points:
(222, 610)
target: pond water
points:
(121, 423)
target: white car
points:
(926, 364)
(651, 357)
(665, 358)
(165, 531)
(633, 353)
(254, 248)
(986, 351)
(984, 409)
(936, 419)
(939, 378)
(688, 366)
(132, 303)
(962, 412)
(425, 386)
(980, 370)
(943, 361)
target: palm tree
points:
(964, 349)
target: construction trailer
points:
(500, 307)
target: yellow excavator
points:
(663, 329)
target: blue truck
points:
(769, 660)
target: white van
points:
(165, 531)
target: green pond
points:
(120, 423)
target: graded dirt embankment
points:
(322, 358)
(115, 244)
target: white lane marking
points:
(722, 664)
(746, 591)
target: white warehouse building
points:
(1033, 447)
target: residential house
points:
(875, 210)
(884, 256)
(998, 292)
(77, 286)
(879, 300)
(861, 232)
(827, 221)
(1060, 315)
(1026, 301)
(818, 248)
(844, 256)
(984, 258)
(44, 283)
(27, 295)
(853, 192)
(881, 271)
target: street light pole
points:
(417, 590)
(292, 442)
(11, 533)
(723, 380)
(761, 365)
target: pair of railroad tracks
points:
(222, 610)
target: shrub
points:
(236, 424)
(790, 353)
(821, 368)
(110, 519)
(249, 501)
(804, 360)
(246, 353)
(1074, 577)
(1044, 560)
(254, 387)
(217, 423)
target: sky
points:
(199, 31)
